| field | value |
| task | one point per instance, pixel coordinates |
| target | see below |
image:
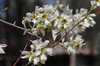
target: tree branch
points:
(13, 25)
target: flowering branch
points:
(60, 21)
(70, 30)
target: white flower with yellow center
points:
(38, 53)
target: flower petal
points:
(36, 61)
(49, 51)
(24, 56)
(38, 52)
(24, 52)
(43, 57)
(3, 45)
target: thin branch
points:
(21, 54)
(13, 25)
(7, 23)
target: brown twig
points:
(21, 54)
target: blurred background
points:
(15, 40)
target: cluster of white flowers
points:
(74, 45)
(38, 52)
(49, 18)
(95, 3)
(58, 21)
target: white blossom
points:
(38, 53)
(95, 3)
(74, 46)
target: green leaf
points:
(29, 62)
(54, 35)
